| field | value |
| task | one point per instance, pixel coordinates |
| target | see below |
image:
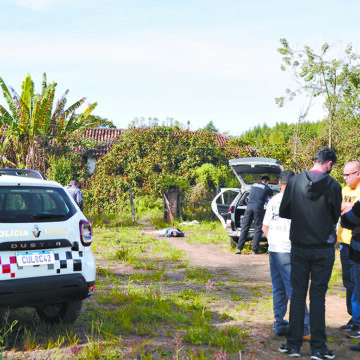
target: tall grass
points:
(146, 290)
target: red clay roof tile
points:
(108, 136)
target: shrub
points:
(151, 161)
(65, 168)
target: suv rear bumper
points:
(43, 290)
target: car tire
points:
(65, 313)
(234, 241)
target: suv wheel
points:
(65, 313)
(234, 241)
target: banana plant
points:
(31, 119)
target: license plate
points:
(30, 258)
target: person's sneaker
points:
(280, 333)
(238, 252)
(307, 338)
(291, 352)
(322, 355)
(354, 333)
(348, 326)
(255, 252)
(355, 347)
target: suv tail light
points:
(230, 209)
(85, 232)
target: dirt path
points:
(254, 269)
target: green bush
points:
(65, 168)
(153, 160)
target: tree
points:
(32, 123)
(211, 127)
(103, 122)
(336, 80)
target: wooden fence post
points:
(171, 217)
(132, 205)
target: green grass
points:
(197, 274)
(146, 289)
(136, 304)
(335, 283)
(229, 339)
(206, 233)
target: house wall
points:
(91, 165)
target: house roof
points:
(221, 139)
(108, 136)
(103, 134)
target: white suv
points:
(45, 247)
(229, 204)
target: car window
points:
(34, 204)
(227, 197)
(252, 178)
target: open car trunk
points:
(250, 170)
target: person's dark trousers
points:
(318, 264)
(355, 273)
(251, 214)
(245, 226)
(348, 281)
(280, 271)
(258, 221)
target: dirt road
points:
(254, 270)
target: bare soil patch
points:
(254, 270)
(250, 272)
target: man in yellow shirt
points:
(350, 194)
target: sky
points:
(193, 61)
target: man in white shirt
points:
(277, 231)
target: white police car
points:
(45, 247)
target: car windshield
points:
(34, 204)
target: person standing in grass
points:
(277, 231)
(312, 200)
(74, 190)
(350, 194)
(259, 193)
(350, 219)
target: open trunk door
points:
(250, 170)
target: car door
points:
(222, 201)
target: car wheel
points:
(65, 313)
(234, 241)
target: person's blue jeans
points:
(347, 277)
(355, 300)
(252, 214)
(280, 270)
(317, 264)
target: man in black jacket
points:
(259, 193)
(312, 200)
